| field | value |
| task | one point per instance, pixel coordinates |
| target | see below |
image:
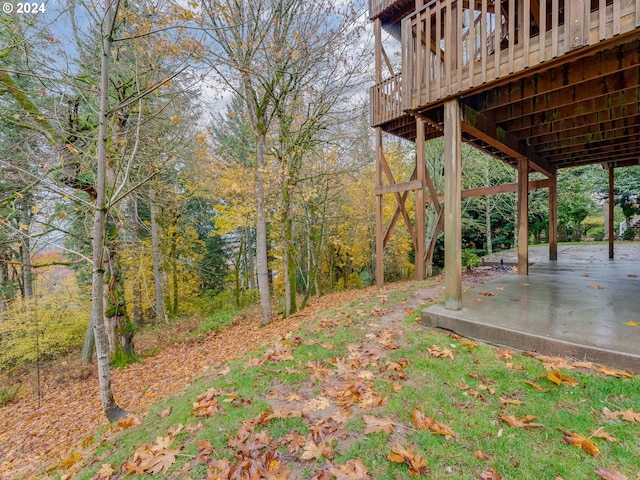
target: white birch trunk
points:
(112, 411)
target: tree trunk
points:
(261, 236)
(136, 300)
(174, 272)
(155, 247)
(251, 271)
(109, 406)
(4, 280)
(89, 344)
(136, 294)
(120, 329)
(487, 224)
(25, 248)
(288, 258)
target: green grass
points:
(463, 393)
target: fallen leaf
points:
(631, 275)
(417, 464)
(597, 287)
(482, 378)
(558, 378)
(341, 416)
(396, 387)
(490, 474)
(351, 470)
(480, 455)
(504, 353)
(436, 351)
(311, 451)
(292, 398)
(583, 364)
(422, 422)
(524, 422)
(316, 404)
(375, 424)
(489, 390)
(612, 372)
(584, 274)
(534, 385)
(470, 343)
(611, 474)
(105, 472)
(581, 442)
(630, 416)
(128, 421)
(509, 401)
(486, 294)
(631, 323)
(600, 433)
(609, 415)
(165, 413)
(71, 460)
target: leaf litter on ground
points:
(317, 441)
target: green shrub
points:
(629, 234)
(470, 259)
(8, 394)
(597, 234)
(41, 331)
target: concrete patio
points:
(576, 307)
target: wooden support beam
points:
(396, 213)
(452, 205)
(557, 84)
(420, 205)
(479, 126)
(523, 217)
(612, 232)
(379, 217)
(553, 219)
(505, 188)
(377, 29)
(399, 187)
(626, 163)
(621, 88)
(399, 200)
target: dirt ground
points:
(39, 433)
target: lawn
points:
(362, 390)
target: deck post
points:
(553, 219)
(377, 28)
(420, 202)
(523, 216)
(379, 217)
(611, 226)
(452, 205)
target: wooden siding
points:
(449, 50)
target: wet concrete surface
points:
(576, 307)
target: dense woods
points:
(162, 159)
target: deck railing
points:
(386, 100)
(448, 50)
(451, 46)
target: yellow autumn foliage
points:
(46, 326)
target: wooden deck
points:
(459, 59)
(561, 95)
(539, 84)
